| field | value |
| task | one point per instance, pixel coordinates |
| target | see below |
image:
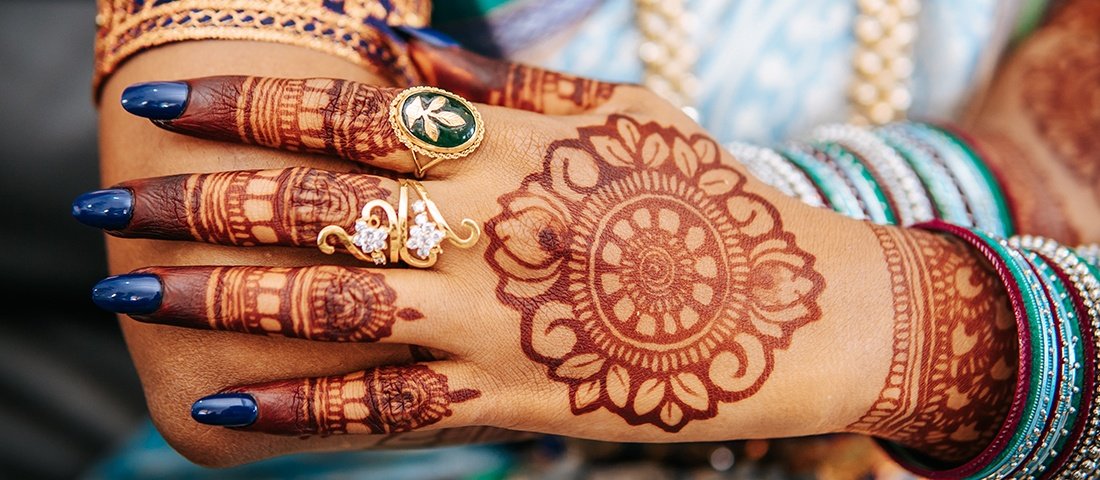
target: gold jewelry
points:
(437, 124)
(383, 235)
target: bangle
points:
(943, 188)
(873, 199)
(1018, 285)
(904, 187)
(771, 168)
(833, 187)
(1085, 294)
(982, 192)
(1070, 373)
(994, 178)
(1090, 253)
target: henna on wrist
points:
(952, 372)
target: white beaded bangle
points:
(771, 168)
(900, 181)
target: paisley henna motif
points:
(379, 401)
(954, 363)
(648, 280)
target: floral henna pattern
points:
(378, 401)
(325, 303)
(954, 362)
(507, 84)
(1061, 91)
(649, 281)
(315, 115)
(284, 207)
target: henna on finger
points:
(248, 208)
(335, 117)
(382, 400)
(323, 303)
(507, 84)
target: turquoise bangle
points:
(833, 187)
(874, 200)
(945, 193)
(1070, 375)
(1000, 200)
(1044, 366)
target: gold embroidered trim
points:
(126, 28)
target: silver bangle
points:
(771, 168)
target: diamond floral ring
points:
(385, 235)
(436, 124)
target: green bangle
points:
(833, 187)
(1004, 213)
(945, 193)
(874, 200)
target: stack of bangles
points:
(932, 178)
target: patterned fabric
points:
(772, 69)
(351, 29)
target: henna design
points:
(268, 207)
(953, 370)
(649, 281)
(316, 115)
(324, 303)
(1061, 93)
(507, 84)
(377, 401)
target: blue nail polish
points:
(428, 35)
(107, 209)
(225, 410)
(156, 100)
(133, 294)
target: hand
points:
(631, 274)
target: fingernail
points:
(132, 294)
(107, 209)
(428, 35)
(156, 100)
(225, 410)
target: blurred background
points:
(68, 393)
(71, 405)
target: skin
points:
(790, 286)
(1038, 123)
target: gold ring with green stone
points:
(437, 124)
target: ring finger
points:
(321, 303)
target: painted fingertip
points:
(226, 410)
(427, 35)
(131, 294)
(156, 100)
(106, 209)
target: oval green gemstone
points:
(438, 119)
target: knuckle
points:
(349, 306)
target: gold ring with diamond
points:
(383, 234)
(437, 124)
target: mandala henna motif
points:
(954, 361)
(247, 208)
(378, 401)
(649, 281)
(324, 303)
